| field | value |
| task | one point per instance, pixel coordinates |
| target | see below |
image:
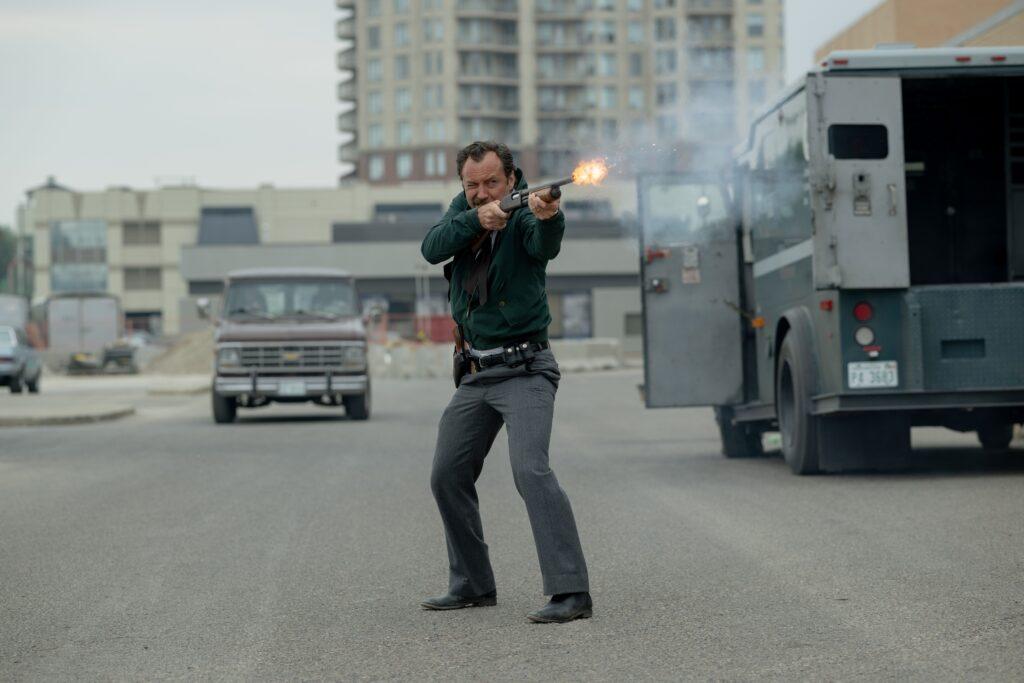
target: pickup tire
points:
(15, 384)
(739, 440)
(225, 409)
(358, 407)
(995, 435)
(798, 427)
(33, 385)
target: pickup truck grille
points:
(293, 357)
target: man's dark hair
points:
(479, 149)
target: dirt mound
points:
(191, 354)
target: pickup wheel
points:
(15, 384)
(225, 409)
(799, 428)
(995, 436)
(358, 407)
(33, 385)
(739, 440)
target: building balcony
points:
(347, 121)
(490, 111)
(348, 153)
(345, 29)
(485, 79)
(486, 8)
(347, 90)
(464, 45)
(706, 7)
(345, 4)
(346, 59)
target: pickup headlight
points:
(227, 357)
(355, 355)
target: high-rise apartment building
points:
(559, 80)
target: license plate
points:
(883, 373)
(292, 389)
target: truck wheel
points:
(995, 436)
(33, 386)
(225, 409)
(793, 405)
(358, 407)
(15, 384)
(738, 440)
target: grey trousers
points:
(523, 400)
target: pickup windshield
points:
(271, 299)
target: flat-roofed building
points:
(160, 250)
(933, 23)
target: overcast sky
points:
(232, 93)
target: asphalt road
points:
(296, 545)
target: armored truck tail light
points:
(863, 312)
(864, 335)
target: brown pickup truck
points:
(289, 335)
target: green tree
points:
(8, 250)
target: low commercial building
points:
(160, 250)
(933, 23)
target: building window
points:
(668, 126)
(401, 67)
(609, 97)
(373, 37)
(141, 278)
(403, 100)
(401, 34)
(374, 102)
(666, 94)
(403, 165)
(610, 130)
(665, 28)
(403, 133)
(375, 167)
(635, 32)
(756, 93)
(401, 6)
(373, 8)
(374, 71)
(608, 64)
(434, 162)
(141, 233)
(665, 62)
(78, 253)
(433, 31)
(636, 97)
(374, 135)
(636, 64)
(755, 25)
(635, 5)
(664, 4)
(755, 60)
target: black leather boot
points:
(450, 601)
(564, 607)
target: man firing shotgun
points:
(505, 374)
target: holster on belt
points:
(460, 357)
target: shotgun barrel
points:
(518, 199)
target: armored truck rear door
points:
(689, 268)
(860, 206)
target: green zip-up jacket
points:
(517, 301)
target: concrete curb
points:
(194, 391)
(69, 419)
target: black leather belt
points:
(512, 355)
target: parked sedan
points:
(20, 365)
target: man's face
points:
(485, 180)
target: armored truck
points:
(859, 270)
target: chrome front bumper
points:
(272, 385)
